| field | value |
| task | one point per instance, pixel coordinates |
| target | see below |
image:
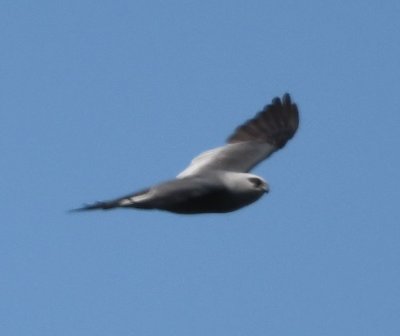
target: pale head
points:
(245, 183)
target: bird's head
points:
(245, 184)
(257, 183)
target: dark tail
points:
(107, 205)
(121, 202)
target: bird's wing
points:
(251, 142)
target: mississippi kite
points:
(217, 181)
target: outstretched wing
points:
(252, 142)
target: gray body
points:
(190, 195)
(217, 181)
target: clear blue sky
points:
(101, 98)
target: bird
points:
(218, 180)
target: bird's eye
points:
(256, 181)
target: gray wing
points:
(252, 142)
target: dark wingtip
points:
(275, 124)
(286, 99)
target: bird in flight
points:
(217, 181)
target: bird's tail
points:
(127, 201)
(105, 205)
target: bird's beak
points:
(265, 187)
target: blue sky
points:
(101, 98)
